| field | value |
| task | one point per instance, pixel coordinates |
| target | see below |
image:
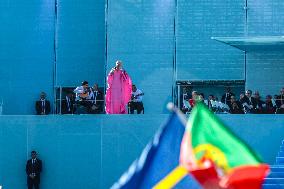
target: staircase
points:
(275, 179)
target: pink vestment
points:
(118, 93)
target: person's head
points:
(118, 64)
(282, 91)
(242, 95)
(42, 95)
(85, 84)
(211, 97)
(233, 99)
(33, 154)
(96, 86)
(194, 95)
(256, 95)
(234, 105)
(268, 98)
(248, 93)
(134, 88)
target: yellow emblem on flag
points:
(209, 151)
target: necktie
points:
(68, 104)
(43, 106)
(96, 93)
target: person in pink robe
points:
(118, 93)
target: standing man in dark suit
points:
(33, 169)
(42, 105)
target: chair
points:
(128, 108)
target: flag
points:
(160, 161)
(222, 159)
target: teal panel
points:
(198, 56)
(141, 34)
(265, 69)
(124, 136)
(26, 53)
(265, 72)
(80, 42)
(93, 151)
(14, 149)
(265, 18)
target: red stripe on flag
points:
(246, 177)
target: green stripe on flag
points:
(212, 139)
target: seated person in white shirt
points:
(136, 100)
(82, 98)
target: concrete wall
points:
(91, 152)
(80, 42)
(141, 34)
(265, 69)
(198, 56)
(26, 53)
(160, 42)
(42, 47)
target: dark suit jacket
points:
(226, 99)
(36, 168)
(38, 107)
(279, 100)
(253, 101)
(99, 103)
(64, 106)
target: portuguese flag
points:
(220, 159)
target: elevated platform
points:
(92, 151)
(257, 43)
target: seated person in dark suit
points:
(42, 106)
(136, 100)
(248, 102)
(96, 97)
(280, 102)
(259, 103)
(235, 106)
(67, 106)
(226, 98)
(33, 170)
(269, 108)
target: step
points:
(273, 186)
(280, 160)
(276, 168)
(276, 174)
(280, 153)
(274, 181)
